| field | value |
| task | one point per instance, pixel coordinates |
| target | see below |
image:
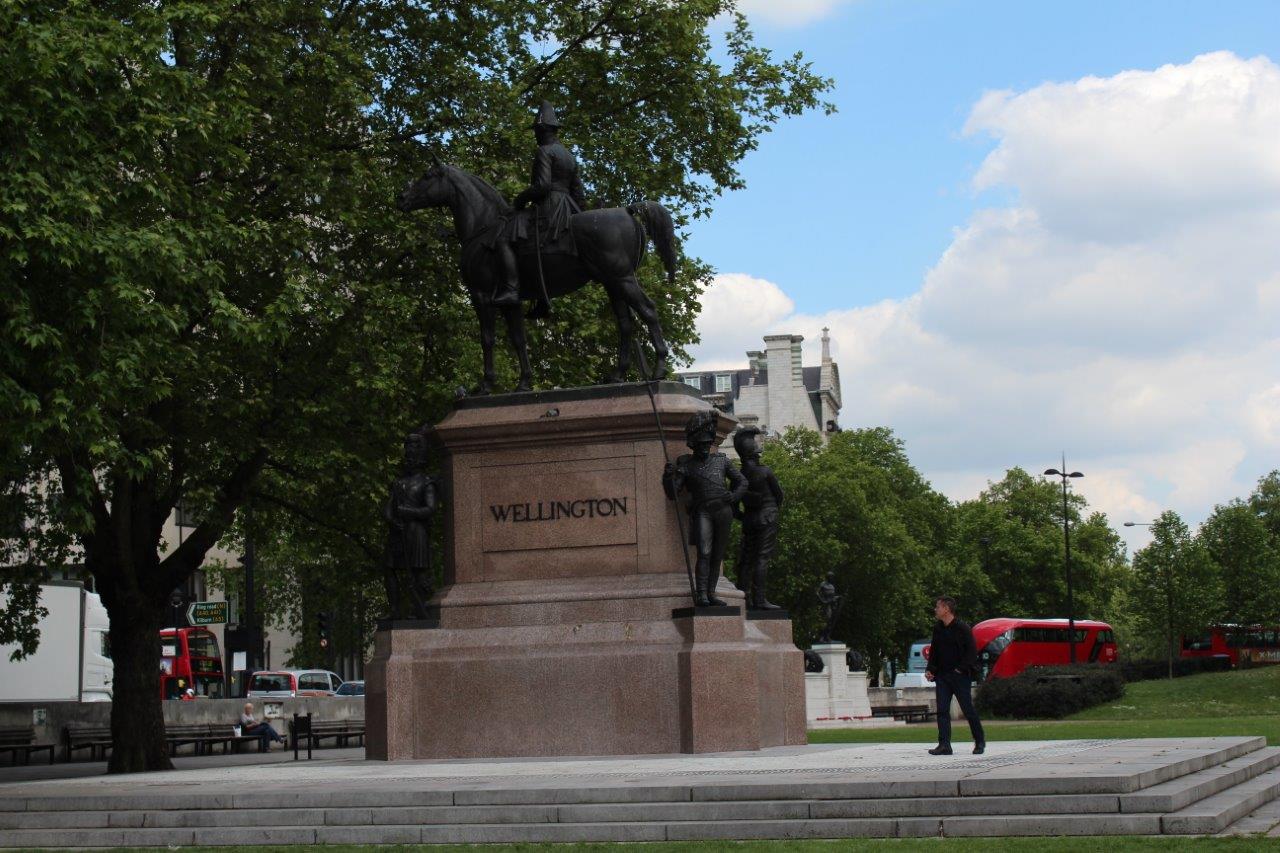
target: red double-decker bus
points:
(189, 659)
(1008, 646)
(1247, 643)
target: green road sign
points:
(207, 613)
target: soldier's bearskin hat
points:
(701, 427)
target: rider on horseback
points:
(557, 191)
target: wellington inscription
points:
(536, 511)
(556, 510)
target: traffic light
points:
(322, 627)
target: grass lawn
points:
(1244, 702)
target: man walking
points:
(953, 660)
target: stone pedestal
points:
(556, 630)
(837, 696)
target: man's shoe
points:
(940, 750)
(979, 748)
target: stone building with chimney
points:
(776, 390)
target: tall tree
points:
(208, 294)
(857, 507)
(1012, 533)
(1247, 562)
(1265, 502)
(1175, 588)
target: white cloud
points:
(737, 307)
(789, 13)
(1126, 307)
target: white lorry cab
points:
(73, 660)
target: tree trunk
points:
(137, 718)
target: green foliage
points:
(1050, 692)
(1138, 669)
(1175, 589)
(1011, 538)
(1241, 547)
(858, 508)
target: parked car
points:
(288, 683)
(351, 688)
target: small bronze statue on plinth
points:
(831, 603)
(414, 499)
(703, 475)
(759, 514)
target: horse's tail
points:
(657, 223)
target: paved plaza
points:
(1078, 787)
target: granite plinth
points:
(557, 633)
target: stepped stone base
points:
(1145, 787)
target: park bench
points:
(21, 741)
(304, 728)
(96, 739)
(914, 714)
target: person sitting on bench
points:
(264, 730)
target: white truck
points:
(73, 661)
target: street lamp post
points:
(1066, 538)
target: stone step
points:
(1179, 793)
(579, 813)
(1215, 813)
(620, 831)
(1265, 819)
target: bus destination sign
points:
(207, 613)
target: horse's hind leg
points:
(639, 301)
(626, 332)
(515, 334)
(488, 332)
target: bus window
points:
(1197, 644)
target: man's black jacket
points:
(952, 649)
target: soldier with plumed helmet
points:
(759, 514)
(704, 475)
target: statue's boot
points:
(700, 573)
(712, 580)
(506, 295)
(758, 601)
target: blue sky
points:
(888, 175)
(937, 227)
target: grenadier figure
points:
(414, 499)
(759, 514)
(704, 475)
(831, 603)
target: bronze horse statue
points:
(610, 243)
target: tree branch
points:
(372, 552)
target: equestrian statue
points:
(548, 247)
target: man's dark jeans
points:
(961, 687)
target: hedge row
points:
(1050, 692)
(1146, 670)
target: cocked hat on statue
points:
(546, 116)
(701, 427)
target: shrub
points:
(1147, 670)
(1050, 691)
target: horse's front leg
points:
(519, 343)
(488, 332)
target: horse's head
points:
(430, 190)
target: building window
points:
(693, 379)
(724, 382)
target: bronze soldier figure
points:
(556, 190)
(414, 499)
(703, 474)
(759, 514)
(831, 603)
